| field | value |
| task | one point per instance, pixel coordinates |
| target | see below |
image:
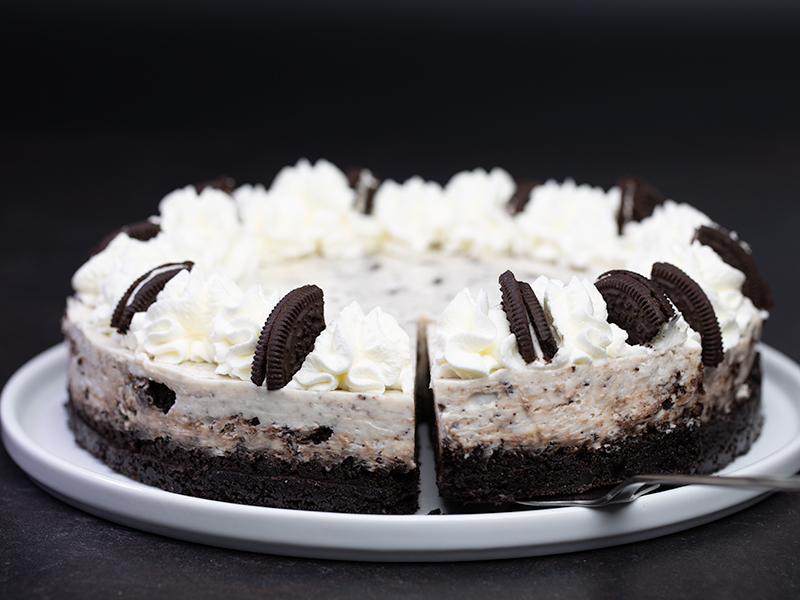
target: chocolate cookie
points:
(521, 196)
(738, 256)
(141, 230)
(220, 182)
(514, 306)
(523, 311)
(288, 337)
(635, 304)
(639, 199)
(365, 183)
(143, 292)
(695, 306)
(538, 320)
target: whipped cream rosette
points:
(571, 224)
(671, 223)
(102, 280)
(308, 209)
(474, 340)
(236, 327)
(177, 327)
(359, 353)
(413, 215)
(721, 283)
(479, 222)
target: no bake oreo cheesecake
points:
(277, 346)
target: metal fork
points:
(639, 485)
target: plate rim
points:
(406, 538)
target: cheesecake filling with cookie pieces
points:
(594, 388)
(639, 373)
(218, 413)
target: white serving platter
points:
(35, 433)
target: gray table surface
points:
(109, 120)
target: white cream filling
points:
(218, 412)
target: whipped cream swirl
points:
(205, 228)
(479, 223)
(236, 328)
(359, 353)
(105, 277)
(571, 224)
(671, 223)
(474, 340)
(721, 282)
(578, 317)
(177, 327)
(413, 215)
(307, 210)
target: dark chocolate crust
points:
(243, 477)
(507, 475)
(731, 434)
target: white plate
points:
(37, 438)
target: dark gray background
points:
(107, 108)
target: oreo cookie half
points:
(523, 311)
(517, 314)
(639, 199)
(365, 183)
(736, 255)
(695, 306)
(141, 230)
(288, 337)
(541, 327)
(220, 182)
(143, 292)
(521, 196)
(634, 303)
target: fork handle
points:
(783, 484)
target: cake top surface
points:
(419, 246)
